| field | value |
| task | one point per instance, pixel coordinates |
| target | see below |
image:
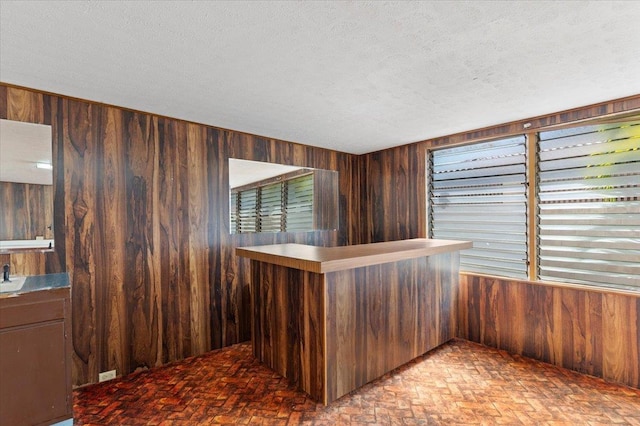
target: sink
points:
(14, 284)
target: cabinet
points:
(35, 357)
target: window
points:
(299, 207)
(270, 209)
(233, 212)
(478, 192)
(585, 191)
(247, 211)
(274, 207)
(589, 205)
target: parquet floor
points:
(458, 383)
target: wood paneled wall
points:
(393, 189)
(26, 211)
(587, 331)
(325, 200)
(141, 225)
(593, 332)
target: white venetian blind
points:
(270, 211)
(589, 205)
(299, 206)
(478, 193)
(233, 212)
(247, 211)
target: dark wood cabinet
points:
(35, 357)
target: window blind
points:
(247, 210)
(233, 212)
(478, 193)
(589, 205)
(299, 206)
(278, 207)
(270, 209)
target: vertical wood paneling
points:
(198, 237)
(27, 211)
(584, 330)
(141, 235)
(332, 333)
(393, 196)
(288, 308)
(25, 105)
(325, 200)
(174, 233)
(80, 190)
(387, 314)
(97, 223)
(141, 225)
(112, 319)
(621, 339)
(222, 262)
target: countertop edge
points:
(259, 253)
(377, 259)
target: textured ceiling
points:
(350, 76)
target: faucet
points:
(5, 273)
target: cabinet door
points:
(32, 373)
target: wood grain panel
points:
(27, 211)
(621, 339)
(78, 145)
(288, 308)
(26, 105)
(380, 317)
(325, 199)
(142, 261)
(173, 204)
(587, 331)
(393, 194)
(198, 242)
(141, 225)
(112, 319)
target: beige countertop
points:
(330, 259)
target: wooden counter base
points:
(330, 333)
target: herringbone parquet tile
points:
(458, 383)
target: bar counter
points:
(331, 319)
(330, 259)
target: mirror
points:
(269, 197)
(26, 187)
